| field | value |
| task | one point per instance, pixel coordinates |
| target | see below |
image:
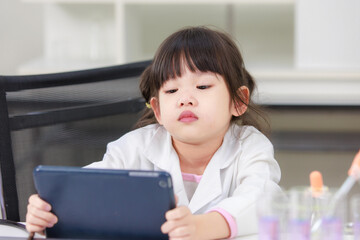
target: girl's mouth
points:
(187, 117)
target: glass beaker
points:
(355, 215)
(300, 212)
(272, 213)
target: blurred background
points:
(304, 55)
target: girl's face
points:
(195, 107)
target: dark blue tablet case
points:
(111, 204)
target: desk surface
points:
(14, 233)
(243, 238)
(19, 233)
(25, 238)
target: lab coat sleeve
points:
(113, 157)
(256, 172)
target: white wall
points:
(20, 34)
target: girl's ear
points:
(240, 107)
(154, 103)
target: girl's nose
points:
(187, 101)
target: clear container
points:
(300, 213)
(333, 214)
(272, 216)
(355, 215)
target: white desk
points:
(19, 233)
(16, 233)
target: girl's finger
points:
(182, 232)
(181, 238)
(176, 199)
(41, 214)
(34, 228)
(177, 213)
(33, 220)
(37, 202)
(170, 225)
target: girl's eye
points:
(203, 87)
(171, 91)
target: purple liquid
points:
(331, 229)
(299, 229)
(356, 230)
(269, 228)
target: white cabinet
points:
(77, 34)
(90, 32)
(328, 34)
(276, 37)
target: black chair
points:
(40, 114)
(68, 118)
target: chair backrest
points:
(68, 118)
(40, 114)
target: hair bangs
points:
(199, 54)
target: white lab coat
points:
(240, 171)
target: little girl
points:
(199, 127)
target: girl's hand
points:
(38, 216)
(180, 224)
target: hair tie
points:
(148, 105)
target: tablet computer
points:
(105, 204)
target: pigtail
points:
(147, 118)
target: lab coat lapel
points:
(210, 186)
(162, 154)
(208, 189)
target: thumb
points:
(176, 199)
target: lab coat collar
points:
(210, 186)
(159, 150)
(161, 153)
(230, 147)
